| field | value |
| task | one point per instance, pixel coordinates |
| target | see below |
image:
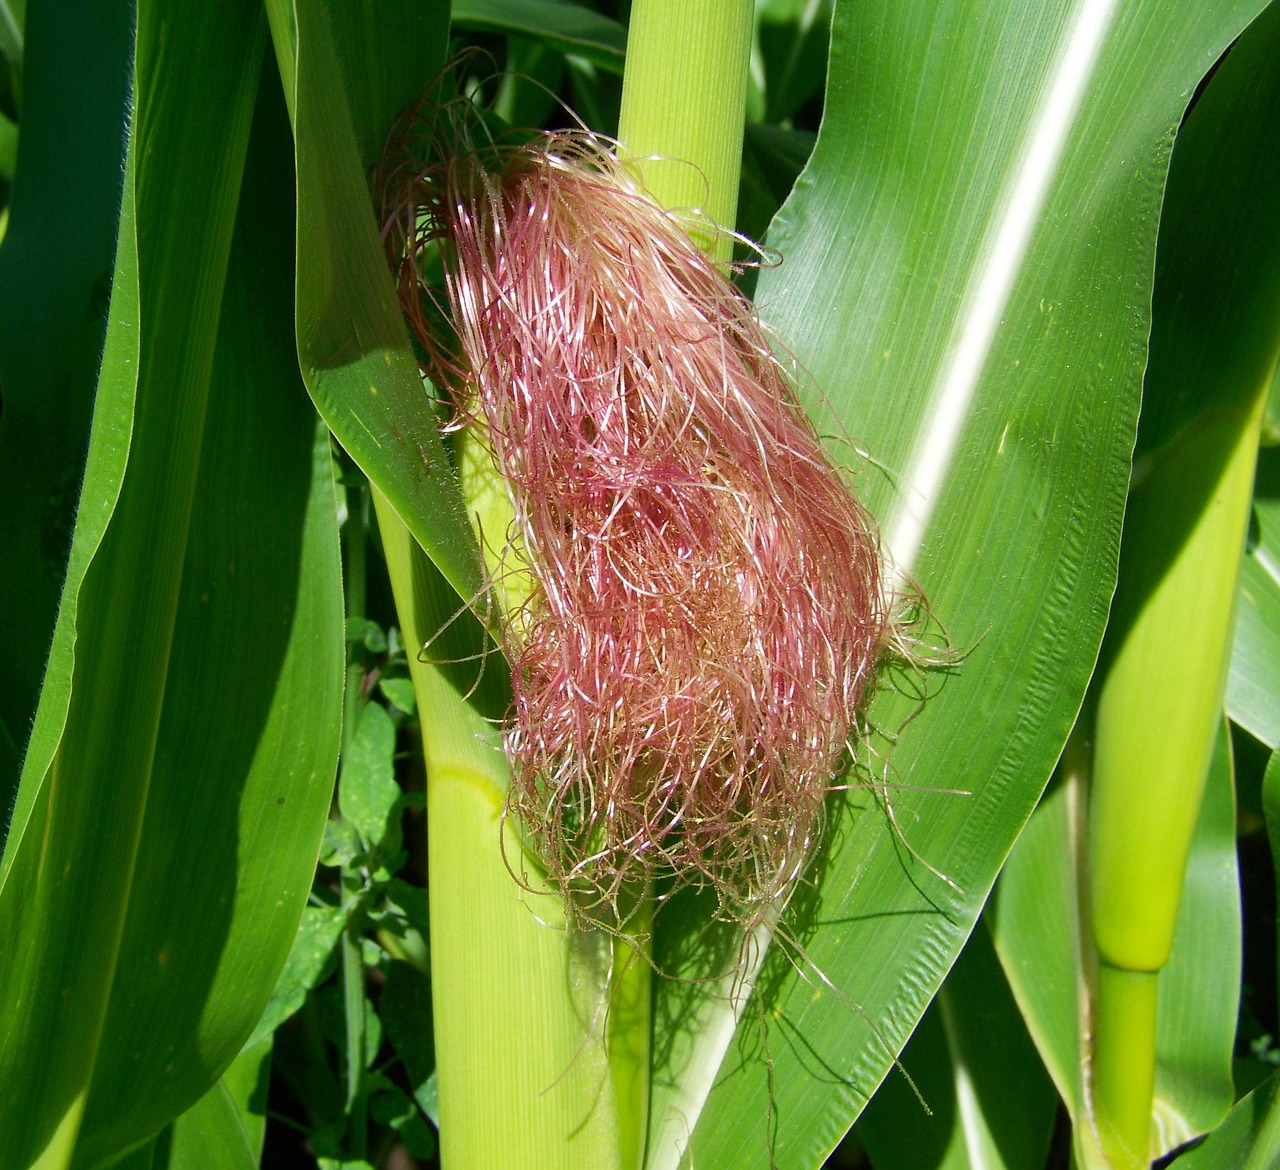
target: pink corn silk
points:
(707, 608)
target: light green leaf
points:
(352, 341)
(966, 279)
(309, 961)
(399, 693)
(368, 792)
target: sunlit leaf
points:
(966, 281)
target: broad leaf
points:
(571, 28)
(966, 279)
(248, 738)
(183, 756)
(84, 785)
(991, 1105)
(225, 1129)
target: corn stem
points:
(353, 974)
(519, 1004)
(1158, 712)
(684, 100)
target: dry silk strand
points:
(699, 604)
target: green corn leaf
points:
(182, 759)
(352, 341)
(991, 1103)
(248, 741)
(310, 960)
(967, 270)
(225, 1129)
(85, 782)
(791, 39)
(570, 28)
(1271, 809)
(1249, 1139)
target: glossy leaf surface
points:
(352, 342)
(967, 271)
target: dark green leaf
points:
(1253, 689)
(406, 1014)
(55, 279)
(95, 756)
(1271, 812)
(397, 1111)
(224, 1130)
(792, 37)
(1216, 313)
(411, 901)
(991, 1103)
(248, 737)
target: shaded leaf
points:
(90, 763)
(1253, 688)
(1039, 939)
(991, 1103)
(571, 28)
(55, 280)
(406, 1014)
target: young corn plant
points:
(976, 278)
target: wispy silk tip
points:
(702, 608)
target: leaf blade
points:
(916, 169)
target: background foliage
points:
(200, 931)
